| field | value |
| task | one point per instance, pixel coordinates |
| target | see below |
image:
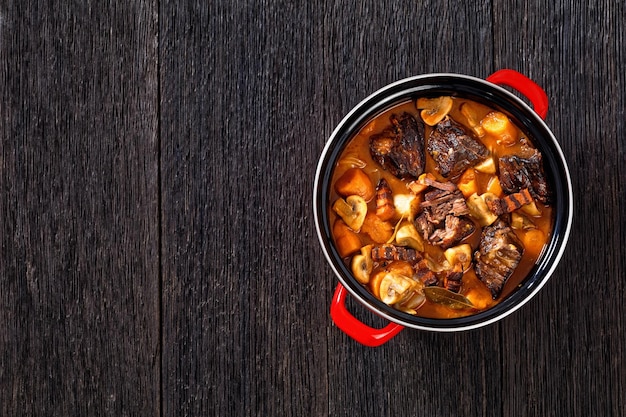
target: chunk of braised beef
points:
(423, 226)
(439, 203)
(446, 186)
(455, 230)
(498, 254)
(389, 252)
(454, 148)
(517, 173)
(400, 148)
(442, 221)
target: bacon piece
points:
(385, 209)
(388, 252)
(510, 203)
(424, 274)
(452, 280)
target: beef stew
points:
(427, 197)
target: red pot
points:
(489, 92)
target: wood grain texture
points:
(158, 254)
(568, 344)
(238, 105)
(79, 301)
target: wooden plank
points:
(568, 345)
(244, 313)
(79, 301)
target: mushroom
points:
(362, 265)
(433, 110)
(394, 287)
(352, 211)
(521, 222)
(407, 235)
(470, 115)
(461, 254)
(488, 166)
(477, 205)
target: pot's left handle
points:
(356, 329)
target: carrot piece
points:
(400, 268)
(346, 240)
(467, 183)
(494, 186)
(534, 240)
(375, 281)
(420, 184)
(378, 230)
(499, 125)
(355, 182)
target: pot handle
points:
(356, 329)
(525, 86)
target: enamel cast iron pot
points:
(529, 120)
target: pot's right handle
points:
(356, 329)
(524, 85)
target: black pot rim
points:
(496, 97)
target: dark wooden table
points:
(158, 252)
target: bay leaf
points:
(447, 298)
